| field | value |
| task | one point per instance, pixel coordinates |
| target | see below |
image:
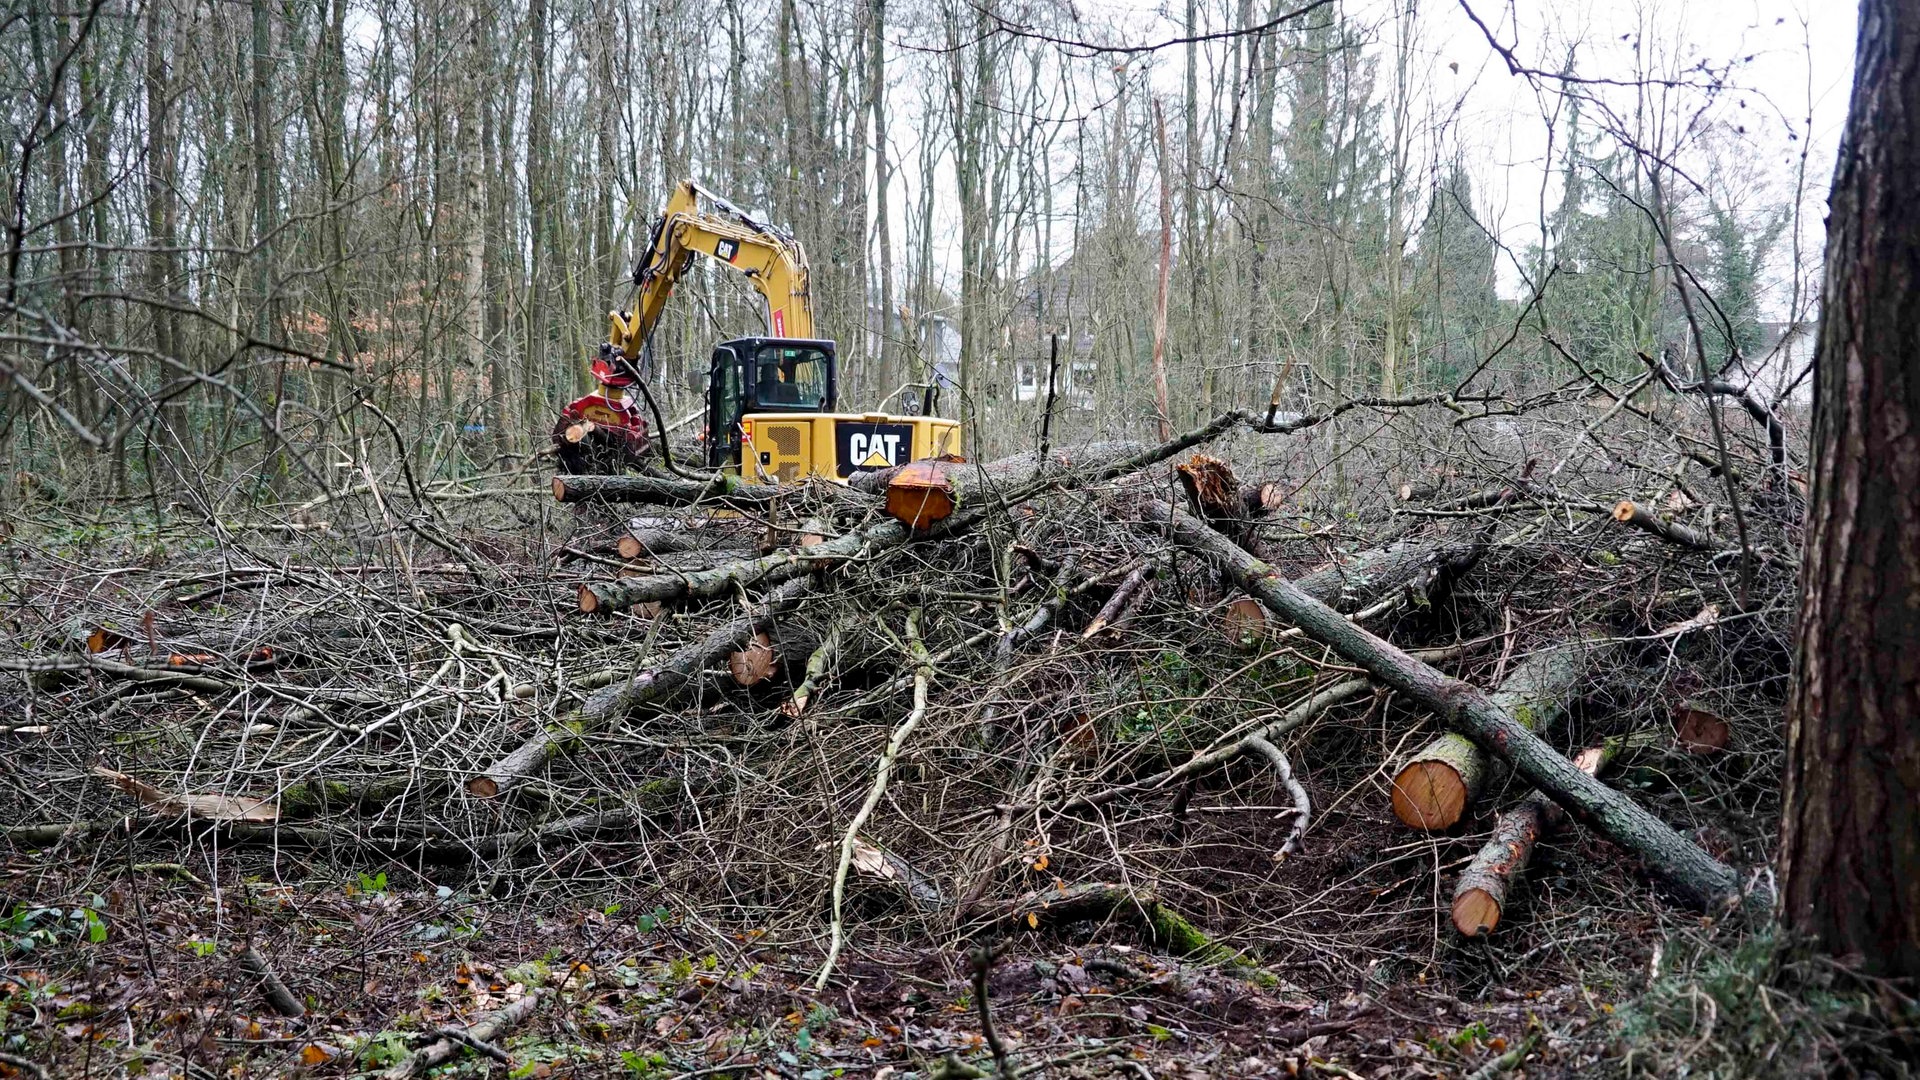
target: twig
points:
(923, 673)
(982, 966)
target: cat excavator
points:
(771, 399)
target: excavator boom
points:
(771, 259)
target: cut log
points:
(1438, 782)
(1692, 874)
(783, 649)
(607, 706)
(1700, 731)
(1480, 895)
(1245, 622)
(753, 662)
(1263, 499)
(651, 536)
(1628, 512)
(920, 494)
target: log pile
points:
(947, 694)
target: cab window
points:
(790, 377)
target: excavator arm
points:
(771, 259)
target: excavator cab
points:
(771, 418)
(764, 375)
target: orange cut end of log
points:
(630, 548)
(920, 495)
(1246, 621)
(1429, 795)
(753, 664)
(483, 787)
(1475, 912)
(589, 603)
(559, 489)
(1624, 510)
(1700, 731)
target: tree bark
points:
(1369, 576)
(1850, 844)
(1691, 873)
(1628, 512)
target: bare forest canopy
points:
(228, 225)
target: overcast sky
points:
(1788, 65)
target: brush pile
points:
(1275, 697)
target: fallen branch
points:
(611, 704)
(1695, 876)
(482, 1032)
(271, 987)
(720, 489)
(1628, 512)
(607, 597)
(1302, 806)
(1164, 926)
(922, 675)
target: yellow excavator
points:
(771, 400)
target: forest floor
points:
(658, 901)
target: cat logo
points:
(725, 250)
(866, 447)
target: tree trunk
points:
(678, 673)
(1850, 845)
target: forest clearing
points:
(1094, 543)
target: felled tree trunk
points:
(653, 536)
(663, 491)
(1695, 876)
(1381, 572)
(606, 597)
(921, 494)
(1480, 896)
(1438, 782)
(607, 706)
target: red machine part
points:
(600, 433)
